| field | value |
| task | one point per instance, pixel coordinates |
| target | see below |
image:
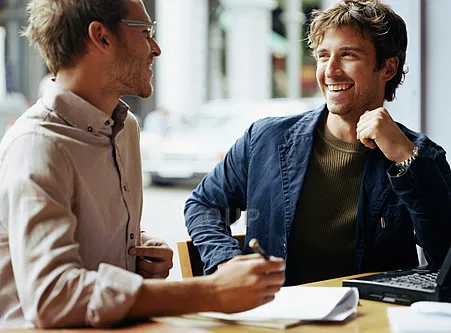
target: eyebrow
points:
(344, 48)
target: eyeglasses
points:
(151, 26)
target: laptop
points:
(406, 286)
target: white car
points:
(192, 148)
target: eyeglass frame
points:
(151, 26)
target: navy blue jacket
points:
(264, 173)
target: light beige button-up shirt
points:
(70, 208)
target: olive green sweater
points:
(321, 244)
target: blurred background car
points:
(193, 146)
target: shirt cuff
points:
(114, 293)
(219, 258)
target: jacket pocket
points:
(393, 224)
(393, 243)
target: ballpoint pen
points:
(255, 246)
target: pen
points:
(255, 245)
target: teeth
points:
(339, 87)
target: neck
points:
(342, 129)
(89, 84)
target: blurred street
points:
(163, 218)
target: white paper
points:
(420, 317)
(301, 303)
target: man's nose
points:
(333, 67)
(155, 48)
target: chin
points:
(336, 108)
(145, 94)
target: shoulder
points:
(271, 126)
(34, 162)
(421, 140)
(33, 150)
(31, 141)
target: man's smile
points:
(339, 87)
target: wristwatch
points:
(404, 165)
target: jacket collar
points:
(305, 126)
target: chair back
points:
(189, 257)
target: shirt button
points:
(125, 188)
(107, 122)
(89, 129)
(132, 236)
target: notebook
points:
(406, 286)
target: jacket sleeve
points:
(425, 189)
(216, 203)
(53, 286)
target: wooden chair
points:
(189, 257)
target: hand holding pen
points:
(249, 280)
(255, 246)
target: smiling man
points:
(342, 189)
(71, 248)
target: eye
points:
(349, 55)
(322, 56)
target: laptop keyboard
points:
(423, 281)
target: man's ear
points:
(99, 35)
(390, 68)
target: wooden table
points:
(371, 318)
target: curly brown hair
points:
(59, 28)
(386, 29)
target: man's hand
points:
(245, 282)
(154, 258)
(376, 128)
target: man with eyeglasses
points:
(72, 252)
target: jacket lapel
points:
(374, 191)
(294, 157)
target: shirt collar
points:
(78, 112)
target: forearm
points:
(425, 190)
(425, 187)
(209, 227)
(241, 284)
(167, 298)
(212, 238)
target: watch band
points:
(404, 165)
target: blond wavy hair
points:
(59, 28)
(386, 29)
